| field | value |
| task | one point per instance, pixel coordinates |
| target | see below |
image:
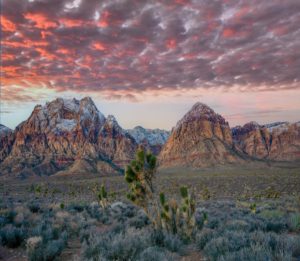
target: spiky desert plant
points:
(253, 208)
(101, 195)
(170, 214)
(179, 218)
(140, 174)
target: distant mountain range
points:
(66, 137)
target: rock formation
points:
(151, 139)
(278, 141)
(64, 134)
(201, 138)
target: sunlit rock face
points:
(277, 141)
(63, 132)
(201, 138)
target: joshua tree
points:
(171, 216)
(139, 175)
(179, 218)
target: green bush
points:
(12, 236)
(294, 222)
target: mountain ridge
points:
(69, 135)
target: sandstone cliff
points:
(201, 138)
(278, 141)
(62, 135)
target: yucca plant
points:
(179, 219)
(140, 174)
(101, 195)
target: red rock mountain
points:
(278, 141)
(201, 138)
(66, 135)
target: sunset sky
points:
(147, 62)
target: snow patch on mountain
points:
(151, 136)
(279, 127)
(66, 125)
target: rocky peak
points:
(4, 130)
(64, 115)
(201, 111)
(201, 138)
(277, 126)
(112, 124)
(248, 127)
(151, 136)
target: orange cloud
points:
(46, 54)
(7, 25)
(64, 51)
(104, 19)
(70, 22)
(7, 57)
(99, 46)
(228, 32)
(25, 43)
(171, 43)
(41, 21)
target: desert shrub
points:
(34, 207)
(274, 220)
(235, 225)
(169, 241)
(45, 250)
(203, 237)
(77, 207)
(122, 246)
(155, 253)
(213, 223)
(216, 247)
(294, 222)
(276, 225)
(255, 252)
(12, 236)
(10, 216)
(271, 214)
(94, 211)
(201, 218)
(279, 245)
(139, 221)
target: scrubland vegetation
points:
(179, 223)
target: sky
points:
(148, 62)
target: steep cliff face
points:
(151, 139)
(278, 141)
(201, 138)
(63, 132)
(6, 141)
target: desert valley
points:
(154, 130)
(55, 164)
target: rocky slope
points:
(201, 138)
(68, 135)
(278, 141)
(6, 140)
(152, 139)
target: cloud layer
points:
(122, 47)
